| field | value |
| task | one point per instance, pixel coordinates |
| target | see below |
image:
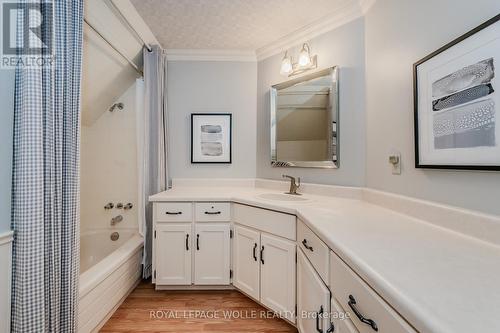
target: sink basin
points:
(282, 197)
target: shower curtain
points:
(45, 185)
(154, 171)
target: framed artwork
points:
(211, 137)
(457, 102)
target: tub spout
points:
(116, 219)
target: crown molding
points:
(344, 15)
(210, 55)
(366, 5)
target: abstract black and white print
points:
(211, 137)
(211, 140)
(464, 108)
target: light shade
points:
(286, 65)
(305, 56)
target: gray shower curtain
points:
(155, 149)
(45, 214)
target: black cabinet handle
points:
(173, 213)
(331, 329)
(213, 213)
(255, 251)
(320, 312)
(187, 242)
(262, 254)
(310, 248)
(197, 242)
(370, 322)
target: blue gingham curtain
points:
(45, 207)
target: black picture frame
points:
(193, 115)
(456, 41)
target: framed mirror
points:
(305, 121)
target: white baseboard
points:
(5, 280)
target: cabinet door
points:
(211, 259)
(313, 299)
(173, 254)
(277, 275)
(246, 265)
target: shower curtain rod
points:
(131, 63)
(137, 35)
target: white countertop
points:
(437, 279)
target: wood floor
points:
(147, 310)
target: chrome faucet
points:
(294, 186)
(116, 219)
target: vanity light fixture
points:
(305, 56)
(286, 65)
(305, 63)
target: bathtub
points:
(109, 271)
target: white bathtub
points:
(109, 271)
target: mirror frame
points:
(329, 164)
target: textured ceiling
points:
(231, 24)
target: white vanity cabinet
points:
(313, 298)
(212, 254)
(369, 312)
(264, 257)
(246, 263)
(191, 244)
(264, 268)
(277, 274)
(173, 254)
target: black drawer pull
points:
(370, 322)
(255, 251)
(318, 315)
(331, 329)
(213, 213)
(197, 242)
(310, 248)
(187, 242)
(262, 254)
(173, 213)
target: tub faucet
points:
(116, 219)
(294, 186)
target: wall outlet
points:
(395, 161)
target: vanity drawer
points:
(279, 224)
(340, 318)
(174, 212)
(354, 295)
(316, 251)
(212, 211)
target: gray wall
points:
(205, 87)
(398, 33)
(6, 122)
(343, 47)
